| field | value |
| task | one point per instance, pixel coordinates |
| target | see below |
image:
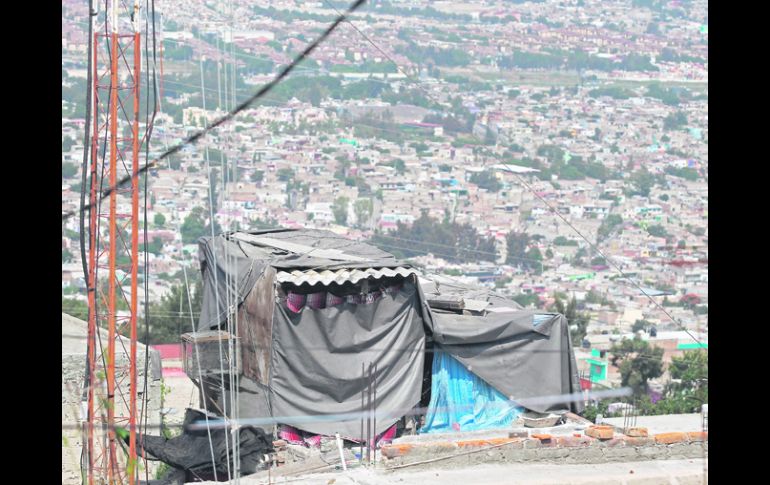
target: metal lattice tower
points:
(113, 247)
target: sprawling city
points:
(489, 160)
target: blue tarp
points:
(462, 401)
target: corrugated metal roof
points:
(327, 277)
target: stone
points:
(638, 432)
(669, 438)
(600, 432)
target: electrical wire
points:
(521, 179)
(83, 185)
(148, 137)
(193, 139)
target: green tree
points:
(159, 219)
(656, 230)
(609, 224)
(67, 143)
(449, 240)
(642, 182)
(340, 210)
(363, 209)
(674, 121)
(486, 180)
(563, 241)
(75, 308)
(689, 374)
(155, 246)
(577, 320)
(170, 317)
(534, 256)
(285, 174)
(194, 226)
(257, 176)
(400, 166)
(638, 362)
(641, 325)
(68, 170)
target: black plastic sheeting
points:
(317, 357)
(191, 451)
(227, 255)
(531, 364)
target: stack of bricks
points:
(598, 444)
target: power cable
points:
(529, 187)
(85, 170)
(148, 136)
(611, 262)
(230, 115)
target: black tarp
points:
(531, 364)
(243, 257)
(191, 451)
(317, 357)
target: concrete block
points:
(600, 432)
(631, 441)
(652, 452)
(669, 438)
(593, 454)
(636, 432)
(698, 436)
(575, 441)
(532, 443)
(551, 454)
(613, 443)
(620, 454)
(531, 454)
(519, 433)
(393, 451)
(512, 455)
(683, 451)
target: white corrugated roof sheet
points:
(328, 277)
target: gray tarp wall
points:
(526, 362)
(317, 356)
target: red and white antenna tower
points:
(113, 247)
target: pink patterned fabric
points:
(295, 436)
(365, 299)
(295, 301)
(313, 441)
(387, 436)
(334, 300)
(370, 298)
(290, 434)
(316, 300)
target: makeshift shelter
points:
(492, 359)
(310, 307)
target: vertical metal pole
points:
(219, 78)
(160, 84)
(363, 379)
(112, 462)
(131, 470)
(369, 414)
(374, 415)
(92, 257)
